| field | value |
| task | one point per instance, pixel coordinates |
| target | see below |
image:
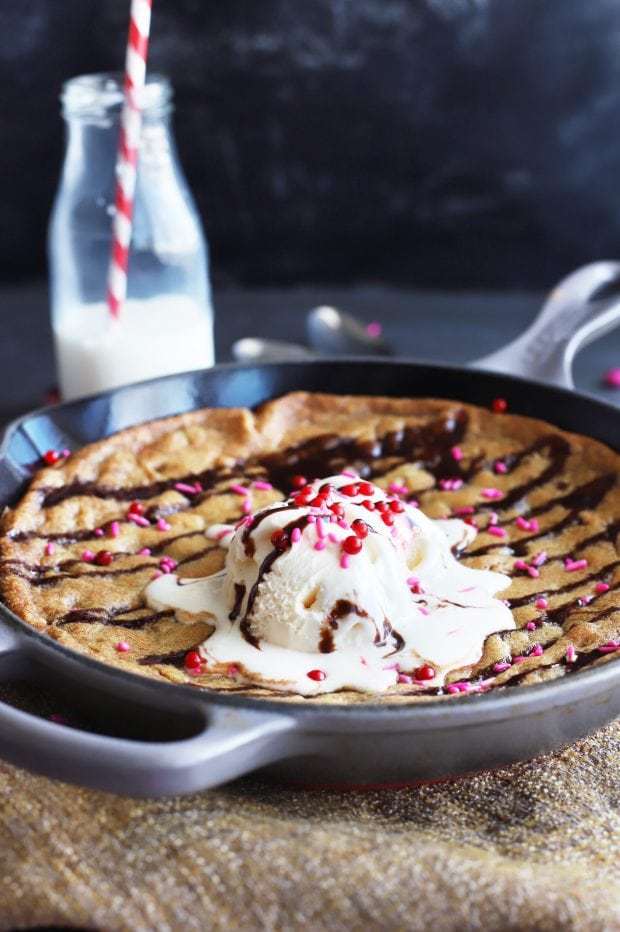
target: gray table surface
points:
(428, 326)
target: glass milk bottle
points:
(166, 322)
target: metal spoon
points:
(255, 349)
(334, 332)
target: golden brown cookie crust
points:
(567, 483)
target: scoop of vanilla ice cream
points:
(347, 582)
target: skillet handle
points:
(221, 742)
(576, 312)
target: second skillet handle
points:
(572, 316)
(223, 742)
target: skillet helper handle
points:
(222, 742)
(576, 312)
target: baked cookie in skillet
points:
(80, 548)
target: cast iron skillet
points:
(179, 738)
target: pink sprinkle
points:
(501, 468)
(413, 503)
(496, 531)
(413, 581)
(533, 572)
(536, 651)
(403, 678)
(519, 659)
(452, 689)
(247, 506)
(223, 533)
(122, 647)
(349, 473)
(541, 603)
(311, 519)
(165, 568)
(167, 561)
(184, 487)
(610, 647)
(197, 487)
(521, 565)
(88, 555)
(59, 719)
(343, 524)
(422, 610)
(531, 626)
(450, 485)
(163, 525)
(398, 489)
(320, 545)
(98, 532)
(468, 589)
(493, 518)
(262, 486)
(602, 587)
(374, 328)
(138, 519)
(571, 654)
(465, 510)
(66, 452)
(522, 523)
(232, 670)
(295, 535)
(114, 529)
(457, 453)
(50, 548)
(540, 558)
(345, 561)
(572, 565)
(390, 666)
(612, 378)
(492, 493)
(156, 574)
(333, 537)
(320, 528)
(145, 552)
(500, 667)
(533, 524)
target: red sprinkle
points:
(499, 405)
(193, 660)
(369, 505)
(352, 545)
(51, 457)
(317, 675)
(388, 518)
(299, 481)
(136, 508)
(351, 489)
(397, 507)
(425, 672)
(103, 558)
(366, 488)
(360, 528)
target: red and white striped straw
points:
(127, 159)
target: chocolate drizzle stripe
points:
(113, 617)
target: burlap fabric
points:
(530, 847)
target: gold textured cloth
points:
(534, 846)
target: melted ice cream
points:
(341, 586)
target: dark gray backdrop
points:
(425, 142)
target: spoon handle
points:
(582, 307)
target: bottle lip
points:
(100, 96)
